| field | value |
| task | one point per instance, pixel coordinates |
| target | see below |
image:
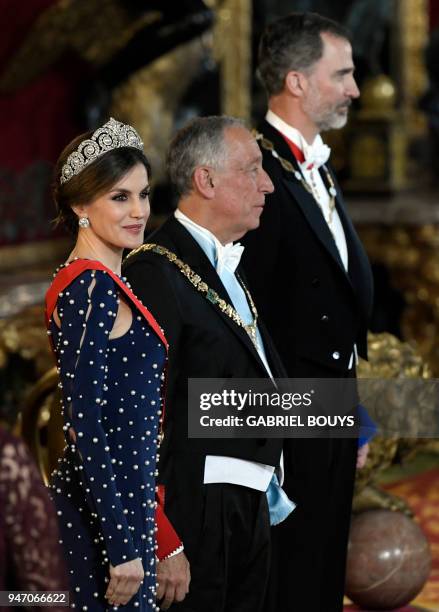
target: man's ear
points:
(296, 83)
(203, 181)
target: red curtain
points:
(36, 123)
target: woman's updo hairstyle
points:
(93, 180)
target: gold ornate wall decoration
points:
(24, 334)
(149, 99)
(377, 140)
(411, 35)
(232, 49)
(389, 119)
(19, 257)
(87, 27)
(411, 254)
(389, 358)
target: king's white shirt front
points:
(313, 177)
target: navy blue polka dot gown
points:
(104, 486)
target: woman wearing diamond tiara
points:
(111, 357)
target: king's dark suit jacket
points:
(315, 312)
(203, 343)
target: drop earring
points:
(84, 222)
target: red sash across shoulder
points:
(167, 539)
(74, 269)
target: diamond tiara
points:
(112, 135)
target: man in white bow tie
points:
(220, 494)
(312, 282)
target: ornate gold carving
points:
(412, 27)
(150, 97)
(378, 97)
(391, 358)
(232, 48)
(41, 253)
(378, 140)
(42, 413)
(24, 334)
(368, 158)
(411, 254)
(95, 29)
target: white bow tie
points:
(228, 256)
(317, 156)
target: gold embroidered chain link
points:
(202, 287)
(288, 166)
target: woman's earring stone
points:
(84, 222)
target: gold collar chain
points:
(288, 166)
(209, 293)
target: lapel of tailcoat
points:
(358, 265)
(192, 254)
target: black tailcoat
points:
(203, 343)
(315, 312)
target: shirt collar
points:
(293, 134)
(207, 241)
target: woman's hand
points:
(125, 580)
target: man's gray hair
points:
(293, 42)
(198, 143)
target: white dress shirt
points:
(313, 176)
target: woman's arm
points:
(87, 310)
